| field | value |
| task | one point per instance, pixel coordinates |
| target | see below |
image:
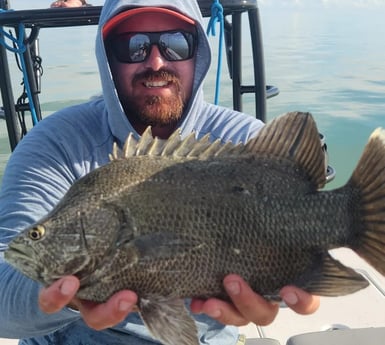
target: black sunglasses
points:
(133, 47)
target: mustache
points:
(150, 75)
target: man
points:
(152, 56)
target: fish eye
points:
(36, 233)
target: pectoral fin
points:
(164, 245)
(168, 320)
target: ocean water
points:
(329, 60)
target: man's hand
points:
(249, 307)
(96, 315)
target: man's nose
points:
(155, 61)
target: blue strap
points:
(20, 49)
(217, 16)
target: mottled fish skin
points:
(169, 219)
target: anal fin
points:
(168, 320)
(334, 279)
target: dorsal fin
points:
(293, 136)
(174, 146)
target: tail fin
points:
(369, 179)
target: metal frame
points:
(34, 20)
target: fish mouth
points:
(37, 267)
(22, 258)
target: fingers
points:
(56, 296)
(103, 315)
(96, 315)
(253, 307)
(247, 305)
(221, 311)
(300, 301)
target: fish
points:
(169, 219)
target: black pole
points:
(236, 60)
(259, 65)
(13, 127)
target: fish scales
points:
(218, 210)
(170, 219)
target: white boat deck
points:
(360, 310)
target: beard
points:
(153, 110)
(157, 111)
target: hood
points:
(118, 122)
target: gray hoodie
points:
(64, 147)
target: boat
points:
(352, 320)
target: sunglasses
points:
(134, 47)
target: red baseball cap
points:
(119, 18)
